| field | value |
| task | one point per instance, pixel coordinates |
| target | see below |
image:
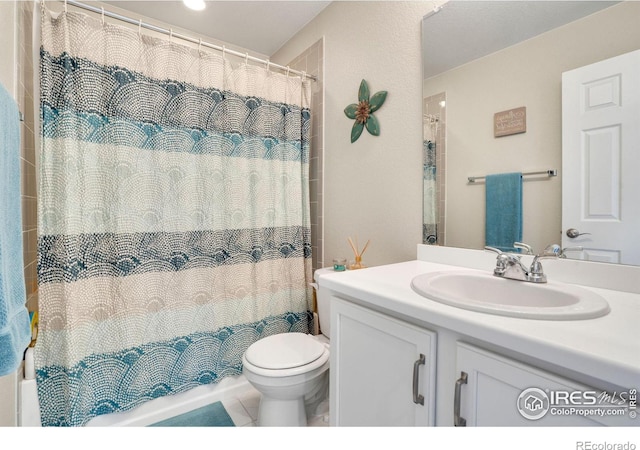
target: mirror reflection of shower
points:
(433, 168)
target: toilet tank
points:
(322, 297)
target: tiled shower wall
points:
(312, 62)
(25, 99)
(435, 127)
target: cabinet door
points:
(374, 360)
(495, 389)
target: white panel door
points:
(601, 160)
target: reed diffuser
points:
(358, 255)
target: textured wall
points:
(373, 187)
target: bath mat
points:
(213, 415)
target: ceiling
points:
(464, 30)
(259, 26)
(461, 31)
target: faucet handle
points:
(501, 261)
(536, 273)
(555, 250)
(552, 250)
(504, 256)
(493, 249)
(526, 247)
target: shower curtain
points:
(173, 210)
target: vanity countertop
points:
(605, 348)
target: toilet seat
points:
(284, 351)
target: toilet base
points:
(282, 413)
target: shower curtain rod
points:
(170, 33)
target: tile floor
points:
(243, 410)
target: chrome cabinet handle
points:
(418, 399)
(457, 420)
(573, 233)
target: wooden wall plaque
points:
(512, 121)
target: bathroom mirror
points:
(481, 58)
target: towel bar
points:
(549, 173)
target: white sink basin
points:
(484, 292)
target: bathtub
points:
(146, 414)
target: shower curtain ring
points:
(140, 28)
(268, 64)
(246, 59)
(288, 70)
(103, 15)
(304, 75)
(170, 34)
(223, 50)
(65, 6)
(200, 45)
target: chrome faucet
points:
(508, 265)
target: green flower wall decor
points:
(363, 111)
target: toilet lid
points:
(284, 351)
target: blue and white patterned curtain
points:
(173, 208)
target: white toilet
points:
(286, 368)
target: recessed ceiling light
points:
(197, 5)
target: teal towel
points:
(15, 331)
(503, 223)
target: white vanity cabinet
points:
(380, 327)
(490, 388)
(382, 369)
(384, 372)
